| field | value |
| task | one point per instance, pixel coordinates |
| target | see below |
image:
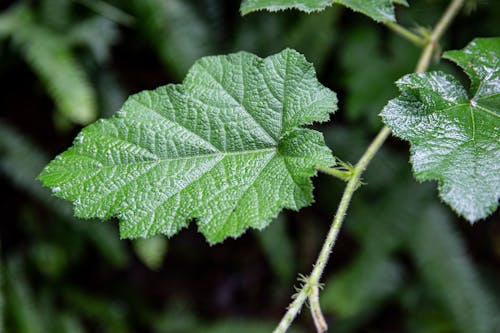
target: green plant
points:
(246, 155)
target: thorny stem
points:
(353, 183)
(409, 35)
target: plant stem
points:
(351, 187)
(320, 264)
(340, 174)
(403, 32)
(437, 32)
(313, 280)
(317, 315)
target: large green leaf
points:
(379, 10)
(455, 138)
(225, 147)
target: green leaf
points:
(225, 147)
(480, 61)
(455, 138)
(308, 6)
(379, 10)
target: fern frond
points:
(84, 33)
(56, 14)
(51, 58)
(22, 310)
(175, 31)
(362, 286)
(450, 273)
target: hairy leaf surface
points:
(225, 148)
(379, 10)
(455, 138)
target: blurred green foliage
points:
(403, 262)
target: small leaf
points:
(379, 10)
(225, 147)
(455, 138)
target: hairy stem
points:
(344, 175)
(354, 181)
(437, 32)
(409, 35)
(320, 264)
(317, 315)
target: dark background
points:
(404, 262)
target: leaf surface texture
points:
(454, 135)
(378, 10)
(225, 148)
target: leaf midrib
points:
(160, 160)
(157, 162)
(467, 105)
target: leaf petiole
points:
(343, 172)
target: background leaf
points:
(51, 57)
(370, 61)
(151, 251)
(175, 30)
